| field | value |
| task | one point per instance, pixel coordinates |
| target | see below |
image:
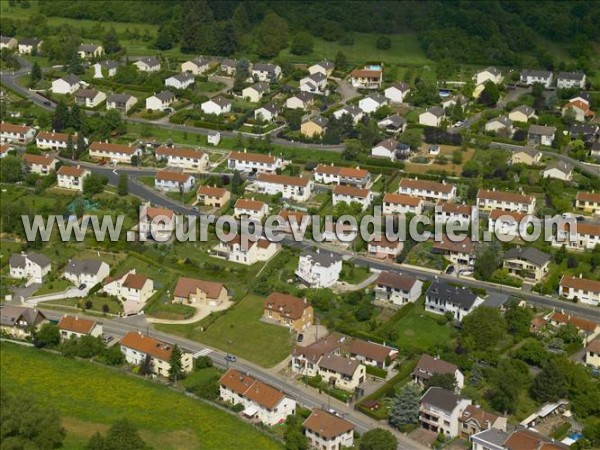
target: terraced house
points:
(427, 190)
(174, 181)
(351, 194)
(213, 196)
(40, 164)
(254, 162)
(292, 188)
(16, 134)
(455, 213)
(115, 153)
(184, 158)
(46, 140)
(585, 236)
(588, 202)
(402, 204)
(581, 289)
(330, 174)
(505, 201)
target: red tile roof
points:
(578, 322)
(282, 179)
(252, 157)
(76, 324)
(327, 425)
(147, 345)
(464, 246)
(71, 171)
(6, 127)
(454, 208)
(365, 73)
(170, 175)
(179, 152)
(288, 306)
(593, 197)
(135, 281)
(43, 160)
(45, 135)
(251, 388)
(351, 191)
(211, 191)
(396, 280)
(426, 185)
(108, 147)
(187, 286)
(253, 205)
(402, 199)
(580, 283)
(505, 196)
(152, 212)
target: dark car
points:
(300, 337)
(82, 287)
(450, 270)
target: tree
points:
(35, 75)
(272, 35)
(240, 21)
(75, 65)
(295, 440)
(378, 439)
(550, 384)
(443, 380)
(94, 184)
(113, 356)
(533, 352)
(10, 169)
(77, 118)
(110, 42)
(122, 435)
(405, 409)
(175, 365)
(490, 94)
(122, 188)
(483, 328)
(517, 319)
(47, 336)
(506, 384)
(61, 116)
(198, 32)
(341, 61)
(165, 39)
(487, 261)
(81, 145)
(383, 43)
(70, 149)
(147, 366)
(26, 424)
(302, 44)
(236, 183)
(412, 137)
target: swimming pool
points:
(374, 67)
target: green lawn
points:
(251, 339)
(420, 332)
(90, 397)
(114, 305)
(53, 286)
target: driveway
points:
(346, 90)
(25, 292)
(71, 292)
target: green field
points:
(419, 331)
(251, 339)
(90, 398)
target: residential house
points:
(193, 291)
(265, 72)
(454, 213)
(529, 77)
(266, 113)
(71, 177)
(461, 252)
(195, 66)
(397, 92)
(77, 327)
(301, 100)
(324, 67)
(261, 401)
(521, 439)
(427, 190)
(592, 353)
(372, 354)
(402, 204)
(429, 366)
(355, 113)
(315, 83)
(580, 289)
(18, 322)
(217, 105)
(86, 271)
(330, 174)
(30, 46)
(160, 101)
(288, 310)
(367, 78)
(228, 67)
(568, 80)
(559, 170)
(372, 103)
(54, 141)
(250, 208)
(5, 148)
(174, 181)
(8, 43)
(40, 164)
(432, 117)
(442, 298)
(394, 124)
(540, 134)
(32, 266)
(131, 288)
(453, 100)
(254, 162)
(116, 153)
(292, 188)
(16, 134)
(213, 196)
(319, 269)
(585, 237)
(397, 289)
(314, 127)
(120, 102)
(213, 137)
(188, 159)
(341, 372)
(248, 253)
(501, 125)
(180, 81)
(488, 74)
(522, 114)
(149, 64)
(509, 223)
(137, 348)
(105, 68)
(351, 194)
(440, 411)
(580, 110)
(588, 329)
(327, 431)
(588, 202)
(305, 359)
(475, 419)
(156, 223)
(526, 262)
(381, 247)
(392, 149)
(255, 92)
(68, 84)
(505, 201)
(87, 51)
(587, 132)
(89, 98)
(528, 156)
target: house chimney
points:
(580, 275)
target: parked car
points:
(230, 358)
(450, 270)
(82, 287)
(300, 337)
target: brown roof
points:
(402, 199)
(365, 73)
(76, 324)
(479, 415)
(187, 286)
(396, 280)
(383, 241)
(282, 179)
(4, 148)
(589, 197)
(71, 171)
(180, 152)
(430, 365)
(44, 160)
(249, 387)
(135, 281)
(371, 350)
(152, 212)
(580, 283)
(454, 208)
(594, 346)
(530, 440)
(578, 322)
(339, 364)
(169, 175)
(13, 128)
(319, 348)
(288, 305)
(253, 157)
(326, 424)
(109, 147)
(147, 345)
(287, 214)
(351, 191)
(55, 136)
(517, 216)
(464, 246)
(426, 185)
(504, 196)
(253, 205)
(593, 229)
(212, 191)
(328, 169)
(353, 172)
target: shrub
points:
(377, 371)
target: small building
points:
(291, 188)
(196, 66)
(89, 98)
(86, 271)
(16, 134)
(265, 72)
(394, 124)
(585, 237)
(255, 92)
(213, 138)
(180, 81)
(529, 77)
(397, 289)
(559, 170)
(372, 354)
(442, 298)
(116, 153)
(528, 156)
(580, 289)
(505, 201)
(131, 288)
(121, 102)
(367, 78)
(40, 164)
(427, 190)
(324, 67)
(174, 181)
(581, 110)
(427, 366)
(301, 100)
(488, 74)
(319, 269)
(87, 51)
(440, 411)
(326, 431)
(372, 103)
(568, 80)
(149, 64)
(289, 311)
(588, 329)
(397, 92)
(392, 149)
(266, 113)
(213, 196)
(105, 68)
(251, 209)
(18, 322)
(353, 111)
(254, 162)
(351, 194)
(217, 105)
(192, 291)
(30, 46)
(77, 327)
(475, 419)
(228, 67)
(160, 101)
(68, 84)
(71, 177)
(526, 262)
(314, 127)
(8, 42)
(188, 159)
(315, 83)
(432, 117)
(592, 353)
(30, 266)
(539, 134)
(402, 204)
(5, 148)
(522, 114)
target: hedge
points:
(377, 371)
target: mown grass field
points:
(90, 398)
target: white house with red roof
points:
(188, 159)
(397, 289)
(292, 188)
(588, 202)
(505, 201)
(254, 162)
(253, 209)
(351, 194)
(455, 213)
(249, 252)
(116, 153)
(174, 181)
(327, 431)
(156, 223)
(427, 190)
(584, 236)
(71, 177)
(16, 134)
(351, 176)
(402, 204)
(76, 327)
(381, 247)
(132, 288)
(40, 164)
(54, 141)
(581, 289)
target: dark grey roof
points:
(228, 63)
(271, 107)
(530, 151)
(491, 69)
(353, 110)
(9, 315)
(33, 42)
(584, 129)
(318, 77)
(321, 121)
(17, 260)
(560, 165)
(71, 79)
(5, 39)
(118, 98)
(221, 101)
(322, 257)
(505, 121)
(86, 93)
(492, 436)
(525, 109)
(264, 67)
(457, 295)
(437, 111)
(390, 144)
(304, 96)
(536, 73)
(150, 61)
(496, 299)
(378, 98)
(199, 61)
(88, 47)
(165, 95)
(441, 398)
(260, 87)
(80, 266)
(530, 254)
(576, 76)
(541, 130)
(183, 77)
(400, 86)
(110, 64)
(39, 259)
(325, 64)
(395, 120)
